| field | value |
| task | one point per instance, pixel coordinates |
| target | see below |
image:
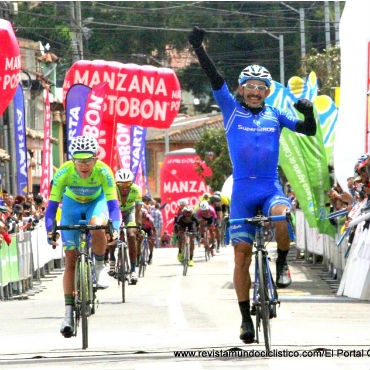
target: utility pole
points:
(337, 20)
(301, 27)
(327, 32)
(281, 54)
(76, 27)
(327, 25)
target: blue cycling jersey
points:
(253, 139)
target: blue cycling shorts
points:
(71, 215)
(247, 196)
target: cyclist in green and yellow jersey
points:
(130, 201)
(86, 186)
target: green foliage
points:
(142, 31)
(326, 65)
(213, 149)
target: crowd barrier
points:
(353, 268)
(25, 260)
(355, 282)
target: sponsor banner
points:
(10, 64)
(94, 115)
(123, 138)
(136, 95)
(46, 154)
(20, 142)
(179, 179)
(303, 160)
(75, 104)
(138, 134)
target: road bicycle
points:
(265, 296)
(144, 254)
(84, 278)
(122, 270)
(186, 250)
(207, 248)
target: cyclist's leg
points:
(97, 214)
(151, 242)
(70, 216)
(278, 204)
(242, 235)
(180, 242)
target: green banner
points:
(9, 262)
(303, 160)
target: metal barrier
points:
(25, 261)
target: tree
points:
(326, 65)
(213, 149)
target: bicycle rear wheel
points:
(206, 246)
(264, 299)
(122, 270)
(143, 258)
(185, 258)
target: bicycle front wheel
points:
(264, 300)
(83, 294)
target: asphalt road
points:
(166, 312)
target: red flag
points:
(46, 155)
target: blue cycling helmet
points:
(255, 72)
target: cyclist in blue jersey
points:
(86, 185)
(253, 131)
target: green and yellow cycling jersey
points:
(67, 181)
(133, 197)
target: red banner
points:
(179, 180)
(10, 64)
(93, 117)
(136, 95)
(46, 154)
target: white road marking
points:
(175, 310)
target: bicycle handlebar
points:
(259, 220)
(81, 227)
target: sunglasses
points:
(84, 160)
(249, 86)
(124, 184)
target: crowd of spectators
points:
(20, 213)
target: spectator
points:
(158, 222)
(165, 240)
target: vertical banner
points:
(75, 109)
(367, 100)
(46, 153)
(20, 142)
(123, 139)
(93, 117)
(145, 175)
(303, 160)
(138, 134)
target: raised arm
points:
(196, 38)
(308, 126)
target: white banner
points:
(350, 128)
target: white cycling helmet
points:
(255, 72)
(183, 202)
(84, 147)
(203, 205)
(124, 175)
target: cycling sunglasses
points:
(124, 184)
